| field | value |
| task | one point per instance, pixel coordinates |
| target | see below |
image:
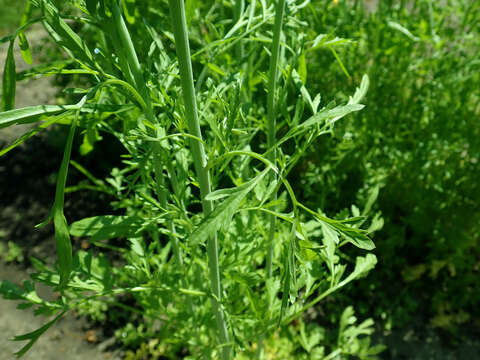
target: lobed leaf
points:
(223, 213)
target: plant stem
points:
(177, 10)
(135, 70)
(271, 132)
(271, 115)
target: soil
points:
(27, 187)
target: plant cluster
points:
(207, 247)
(417, 142)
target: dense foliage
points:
(418, 141)
(403, 167)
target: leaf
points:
(403, 30)
(303, 90)
(361, 91)
(357, 237)
(327, 117)
(11, 291)
(62, 237)
(27, 135)
(302, 68)
(34, 335)
(64, 247)
(23, 42)
(30, 114)
(223, 213)
(249, 279)
(107, 227)
(64, 35)
(9, 82)
(129, 10)
(330, 240)
(25, 48)
(362, 266)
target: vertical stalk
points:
(135, 70)
(271, 133)
(177, 10)
(271, 115)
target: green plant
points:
(201, 194)
(416, 143)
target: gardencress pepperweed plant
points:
(210, 105)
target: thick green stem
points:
(177, 10)
(271, 115)
(271, 131)
(134, 69)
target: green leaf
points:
(64, 247)
(30, 114)
(62, 237)
(107, 227)
(361, 91)
(11, 291)
(28, 135)
(9, 82)
(362, 266)
(403, 30)
(64, 35)
(249, 279)
(303, 90)
(34, 335)
(357, 237)
(223, 213)
(302, 68)
(327, 117)
(25, 48)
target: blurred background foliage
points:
(417, 143)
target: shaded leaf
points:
(107, 227)
(9, 82)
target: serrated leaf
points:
(222, 214)
(248, 279)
